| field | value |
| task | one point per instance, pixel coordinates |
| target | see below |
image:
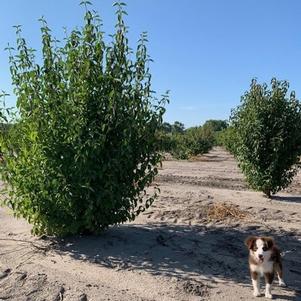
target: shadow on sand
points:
(293, 199)
(181, 251)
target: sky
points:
(205, 51)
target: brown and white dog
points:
(264, 260)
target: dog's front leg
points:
(256, 284)
(268, 283)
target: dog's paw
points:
(268, 295)
(282, 283)
(256, 294)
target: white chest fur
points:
(261, 268)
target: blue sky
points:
(205, 51)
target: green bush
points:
(215, 125)
(173, 143)
(228, 139)
(166, 141)
(268, 128)
(181, 149)
(199, 140)
(83, 147)
(182, 145)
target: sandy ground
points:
(174, 251)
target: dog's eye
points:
(264, 248)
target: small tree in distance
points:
(178, 127)
(215, 125)
(268, 136)
(228, 138)
(82, 150)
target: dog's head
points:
(260, 247)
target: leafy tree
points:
(213, 128)
(82, 149)
(199, 140)
(166, 127)
(183, 143)
(228, 139)
(215, 125)
(178, 127)
(180, 149)
(268, 128)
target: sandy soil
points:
(174, 251)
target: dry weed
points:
(221, 211)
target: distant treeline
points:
(183, 143)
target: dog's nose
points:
(260, 256)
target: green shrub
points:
(191, 142)
(215, 125)
(180, 148)
(164, 141)
(199, 140)
(83, 148)
(268, 128)
(228, 139)
(183, 144)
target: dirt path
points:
(174, 251)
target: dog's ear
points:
(269, 241)
(250, 241)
